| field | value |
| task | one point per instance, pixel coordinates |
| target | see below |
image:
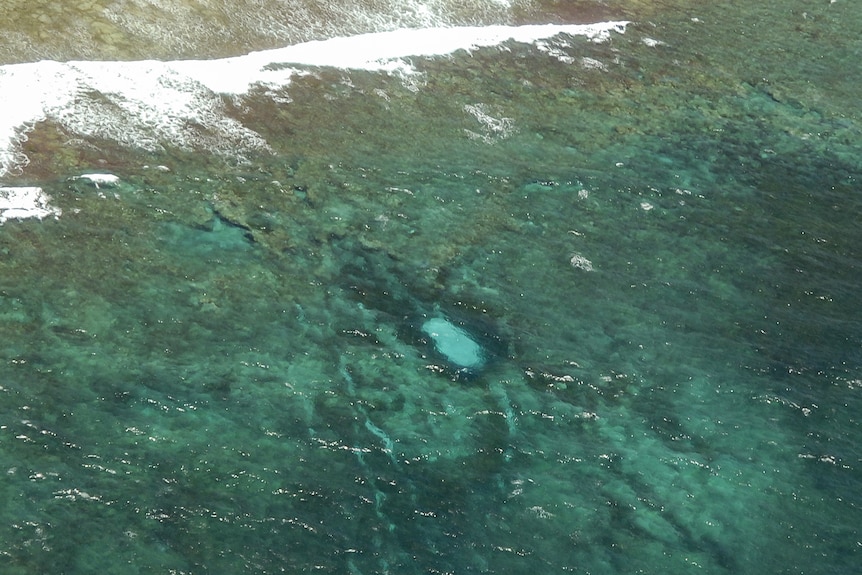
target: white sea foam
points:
(25, 202)
(99, 180)
(492, 127)
(184, 26)
(380, 51)
(580, 262)
(151, 104)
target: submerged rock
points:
(455, 344)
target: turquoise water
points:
(221, 364)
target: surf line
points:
(143, 103)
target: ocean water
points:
(430, 287)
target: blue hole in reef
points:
(465, 347)
(455, 344)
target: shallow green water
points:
(219, 366)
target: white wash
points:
(147, 103)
